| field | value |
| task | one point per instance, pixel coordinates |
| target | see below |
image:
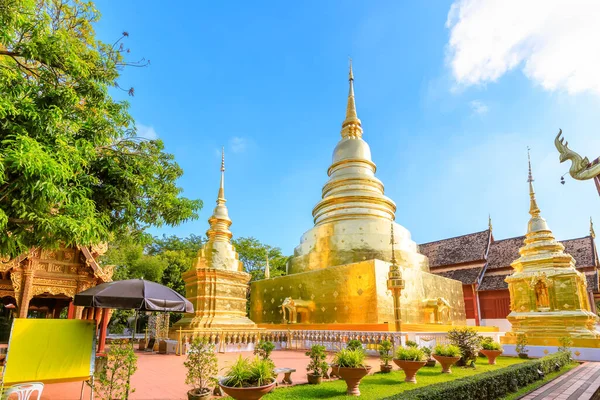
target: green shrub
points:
(565, 343)
(263, 349)
(410, 354)
(469, 343)
(201, 364)
(112, 378)
(521, 347)
(245, 373)
(317, 364)
(427, 351)
(385, 352)
(490, 385)
(491, 345)
(410, 343)
(446, 350)
(354, 344)
(348, 358)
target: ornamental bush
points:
(410, 354)
(354, 344)
(490, 385)
(264, 349)
(446, 350)
(491, 345)
(469, 343)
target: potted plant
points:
(354, 344)
(263, 349)
(112, 377)
(411, 343)
(430, 360)
(491, 350)
(410, 359)
(385, 355)
(447, 355)
(350, 366)
(317, 364)
(249, 380)
(521, 347)
(201, 364)
(469, 343)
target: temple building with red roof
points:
(482, 263)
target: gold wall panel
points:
(356, 294)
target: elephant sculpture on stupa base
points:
(292, 307)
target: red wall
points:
(469, 304)
(494, 304)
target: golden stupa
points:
(217, 284)
(548, 296)
(339, 271)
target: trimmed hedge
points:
(489, 385)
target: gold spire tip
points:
(350, 74)
(223, 159)
(533, 207)
(490, 221)
(592, 232)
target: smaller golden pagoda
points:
(548, 296)
(217, 284)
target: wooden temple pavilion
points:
(42, 283)
(482, 263)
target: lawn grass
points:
(537, 384)
(377, 385)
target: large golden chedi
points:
(217, 284)
(338, 273)
(548, 295)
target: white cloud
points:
(478, 107)
(554, 41)
(238, 144)
(146, 132)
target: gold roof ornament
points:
(592, 232)
(581, 167)
(490, 222)
(219, 220)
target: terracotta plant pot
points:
(410, 369)
(430, 363)
(247, 393)
(194, 395)
(446, 362)
(352, 376)
(314, 379)
(523, 355)
(386, 369)
(491, 355)
(334, 372)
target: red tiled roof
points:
(467, 276)
(456, 250)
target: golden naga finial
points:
(534, 210)
(592, 232)
(581, 167)
(351, 127)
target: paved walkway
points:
(580, 383)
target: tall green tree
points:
(72, 169)
(253, 254)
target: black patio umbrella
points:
(136, 294)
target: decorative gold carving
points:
(55, 268)
(16, 278)
(53, 290)
(295, 306)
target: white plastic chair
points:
(24, 391)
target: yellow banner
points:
(50, 350)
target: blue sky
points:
(448, 105)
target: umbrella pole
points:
(133, 348)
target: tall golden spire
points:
(221, 195)
(351, 127)
(592, 232)
(219, 220)
(533, 207)
(267, 268)
(392, 243)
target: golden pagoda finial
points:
(392, 243)
(534, 210)
(267, 268)
(592, 232)
(351, 127)
(490, 221)
(222, 186)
